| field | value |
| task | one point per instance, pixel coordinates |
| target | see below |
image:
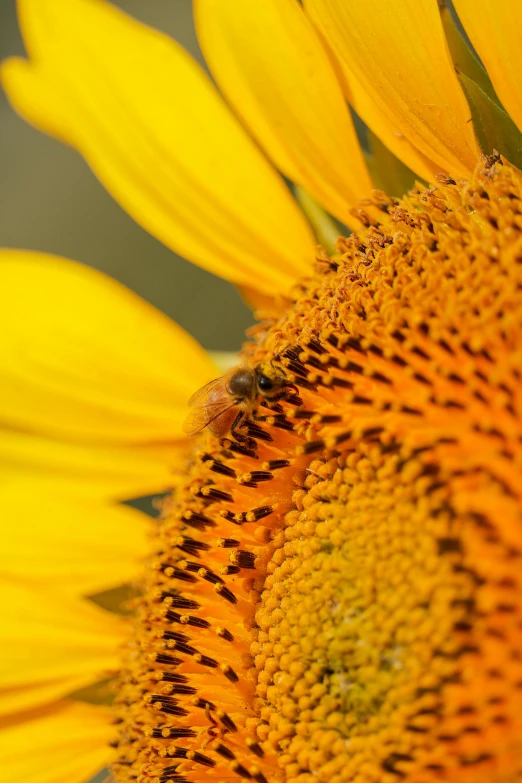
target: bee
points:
(222, 404)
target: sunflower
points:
(333, 589)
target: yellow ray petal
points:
(397, 53)
(20, 698)
(155, 131)
(381, 124)
(63, 744)
(83, 358)
(495, 30)
(79, 546)
(46, 637)
(224, 360)
(115, 472)
(272, 67)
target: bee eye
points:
(265, 383)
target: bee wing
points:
(203, 414)
(207, 404)
(205, 391)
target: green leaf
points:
(493, 126)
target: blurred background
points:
(50, 201)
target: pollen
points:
(335, 593)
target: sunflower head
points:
(334, 594)
(332, 591)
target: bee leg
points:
(244, 439)
(236, 422)
(267, 404)
(238, 436)
(267, 413)
(292, 395)
(288, 393)
(256, 417)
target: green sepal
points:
(464, 58)
(387, 171)
(494, 128)
(325, 227)
(100, 692)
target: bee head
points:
(269, 379)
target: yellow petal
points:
(63, 744)
(155, 131)
(115, 472)
(224, 360)
(29, 697)
(84, 359)
(46, 637)
(268, 60)
(79, 546)
(381, 124)
(495, 30)
(397, 53)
